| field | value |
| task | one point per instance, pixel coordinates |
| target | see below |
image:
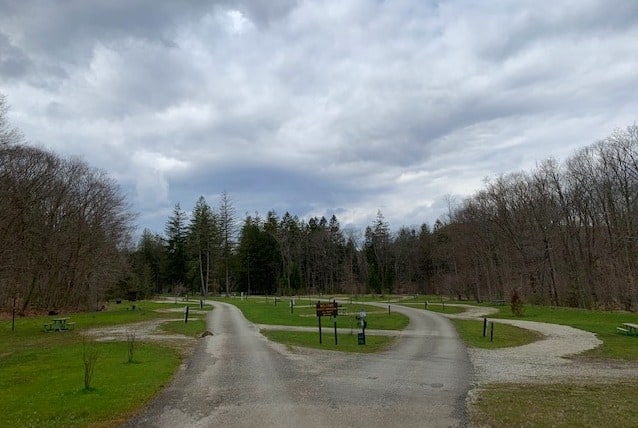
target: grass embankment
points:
(260, 310)
(42, 373)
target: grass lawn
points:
(566, 404)
(603, 323)
(345, 342)
(556, 405)
(261, 311)
(42, 373)
(193, 328)
(45, 387)
(435, 307)
(471, 331)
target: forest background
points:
(563, 234)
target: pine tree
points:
(176, 266)
(203, 243)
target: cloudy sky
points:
(317, 107)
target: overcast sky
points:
(316, 107)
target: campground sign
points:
(326, 310)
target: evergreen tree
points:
(227, 229)
(203, 244)
(176, 238)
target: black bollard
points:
(484, 327)
(492, 331)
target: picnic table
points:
(629, 329)
(59, 324)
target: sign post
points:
(327, 309)
(13, 315)
(364, 323)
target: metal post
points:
(319, 318)
(484, 327)
(388, 309)
(186, 314)
(13, 316)
(492, 331)
(334, 320)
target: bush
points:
(517, 304)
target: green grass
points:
(556, 405)
(193, 328)
(471, 332)
(435, 307)
(261, 311)
(603, 323)
(42, 373)
(345, 342)
(45, 387)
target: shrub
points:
(517, 304)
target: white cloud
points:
(317, 107)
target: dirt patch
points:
(144, 331)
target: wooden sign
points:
(327, 309)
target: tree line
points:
(563, 234)
(63, 225)
(211, 251)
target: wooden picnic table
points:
(633, 328)
(59, 324)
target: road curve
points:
(237, 378)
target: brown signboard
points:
(327, 309)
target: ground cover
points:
(193, 328)
(260, 310)
(602, 323)
(471, 332)
(556, 405)
(42, 373)
(345, 342)
(435, 307)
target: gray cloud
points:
(316, 107)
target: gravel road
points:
(237, 378)
(554, 358)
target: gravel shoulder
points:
(551, 359)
